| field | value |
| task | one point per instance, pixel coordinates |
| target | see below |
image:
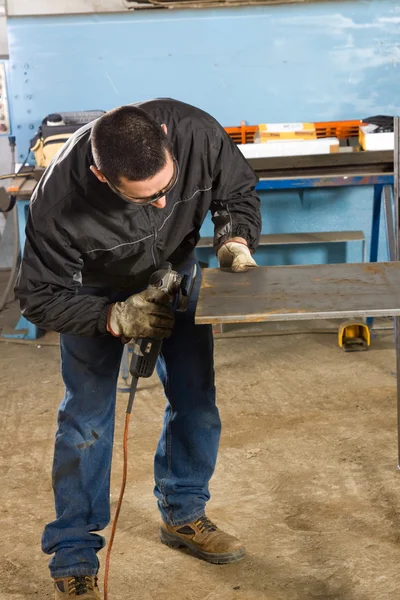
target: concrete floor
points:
(306, 476)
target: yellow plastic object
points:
(354, 337)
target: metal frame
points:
(397, 255)
(387, 201)
(382, 190)
(321, 181)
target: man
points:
(125, 194)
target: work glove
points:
(142, 315)
(237, 256)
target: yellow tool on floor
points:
(353, 336)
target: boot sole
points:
(173, 541)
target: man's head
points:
(132, 155)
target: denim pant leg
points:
(188, 447)
(83, 451)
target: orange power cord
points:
(121, 496)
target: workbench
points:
(307, 292)
(286, 173)
(303, 292)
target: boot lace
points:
(205, 524)
(81, 585)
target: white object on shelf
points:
(375, 141)
(290, 148)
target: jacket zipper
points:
(155, 234)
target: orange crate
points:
(243, 134)
(338, 129)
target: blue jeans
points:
(186, 454)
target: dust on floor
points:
(306, 476)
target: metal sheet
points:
(300, 293)
(315, 237)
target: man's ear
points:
(164, 128)
(98, 174)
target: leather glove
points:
(142, 315)
(237, 256)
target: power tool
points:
(144, 359)
(147, 350)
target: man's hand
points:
(142, 315)
(236, 255)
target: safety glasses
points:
(154, 197)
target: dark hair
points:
(127, 142)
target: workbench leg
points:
(390, 229)
(213, 262)
(376, 221)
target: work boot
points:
(85, 588)
(204, 540)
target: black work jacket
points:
(81, 235)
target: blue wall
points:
(319, 61)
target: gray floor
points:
(306, 476)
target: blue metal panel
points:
(321, 182)
(318, 61)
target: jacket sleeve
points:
(50, 279)
(235, 204)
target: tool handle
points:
(144, 357)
